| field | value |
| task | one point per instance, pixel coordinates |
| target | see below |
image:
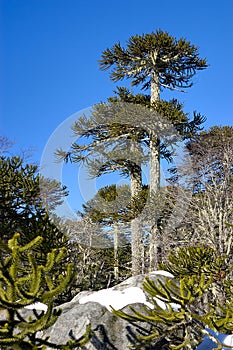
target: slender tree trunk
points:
(137, 248)
(116, 248)
(155, 239)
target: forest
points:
(179, 221)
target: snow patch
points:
(117, 299)
(37, 306)
(162, 273)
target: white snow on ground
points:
(117, 299)
(162, 273)
(37, 306)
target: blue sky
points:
(50, 48)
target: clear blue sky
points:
(50, 48)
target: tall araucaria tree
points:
(154, 61)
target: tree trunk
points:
(155, 248)
(137, 248)
(116, 248)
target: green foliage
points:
(174, 61)
(21, 205)
(22, 209)
(24, 282)
(178, 325)
(170, 110)
(192, 260)
(200, 298)
(115, 204)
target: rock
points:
(111, 332)
(127, 292)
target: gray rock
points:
(111, 332)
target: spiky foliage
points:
(192, 260)
(113, 126)
(21, 206)
(22, 209)
(180, 322)
(200, 299)
(173, 318)
(174, 61)
(115, 204)
(24, 282)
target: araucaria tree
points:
(24, 282)
(154, 61)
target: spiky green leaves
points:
(173, 61)
(173, 318)
(24, 282)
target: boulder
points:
(110, 331)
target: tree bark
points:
(137, 249)
(116, 248)
(155, 248)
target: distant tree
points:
(92, 249)
(51, 193)
(210, 178)
(107, 208)
(5, 144)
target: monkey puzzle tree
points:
(22, 210)
(115, 137)
(113, 208)
(154, 61)
(24, 282)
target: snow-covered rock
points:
(117, 299)
(111, 332)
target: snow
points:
(117, 299)
(162, 273)
(37, 306)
